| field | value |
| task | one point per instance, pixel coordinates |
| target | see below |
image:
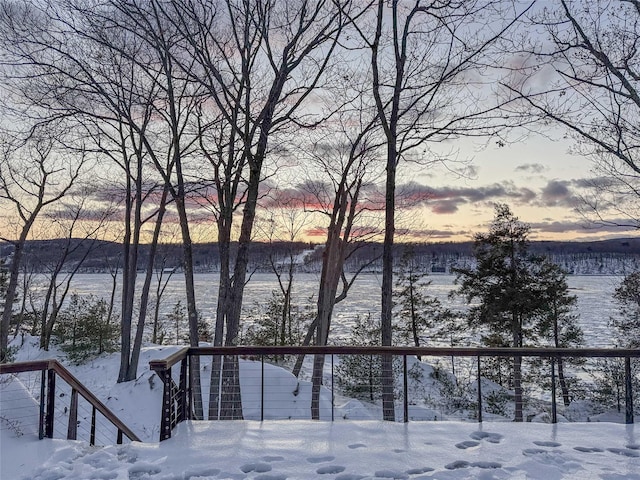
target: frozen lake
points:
(594, 293)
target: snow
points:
(300, 448)
(304, 449)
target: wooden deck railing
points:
(177, 404)
(51, 370)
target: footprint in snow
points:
(489, 437)
(356, 445)
(467, 444)
(231, 476)
(271, 476)
(326, 458)
(547, 444)
(330, 469)
(273, 458)
(625, 452)
(456, 465)
(486, 465)
(142, 470)
(257, 467)
(588, 449)
(350, 476)
(124, 455)
(391, 474)
(417, 471)
(634, 446)
(197, 473)
(398, 450)
(533, 451)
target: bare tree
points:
(33, 176)
(259, 62)
(107, 66)
(282, 223)
(346, 155)
(430, 67)
(71, 221)
(581, 71)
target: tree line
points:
(167, 115)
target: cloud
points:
(558, 193)
(583, 226)
(537, 168)
(447, 200)
(437, 234)
(445, 207)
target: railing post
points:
(628, 391)
(165, 420)
(183, 406)
(405, 376)
(333, 392)
(41, 421)
(51, 403)
(92, 435)
(189, 390)
(262, 388)
(72, 429)
(554, 406)
(479, 393)
(119, 437)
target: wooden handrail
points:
(170, 361)
(163, 364)
(32, 366)
(74, 383)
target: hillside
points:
(614, 256)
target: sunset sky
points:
(535, 173)
(538, 177)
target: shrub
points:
(83, 329)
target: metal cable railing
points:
(242, 389)
(82, 417)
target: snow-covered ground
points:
(300, 449)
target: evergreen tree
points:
(267, 325)
(360, 376)
(417, 312)
(626, 324)
(557, 322)
(84, 330)
(177, 317)
(503, 286)
(609, 373)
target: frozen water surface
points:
(594, 293)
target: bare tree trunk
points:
(224, 240)
(231, 405)
(146, 287)
(10, 297)
(388, 407)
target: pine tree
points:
(416, 312)
(84, 330)
(504, 287)
(358, 376)
(626, 324)
(557, 322)
(609, 373)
